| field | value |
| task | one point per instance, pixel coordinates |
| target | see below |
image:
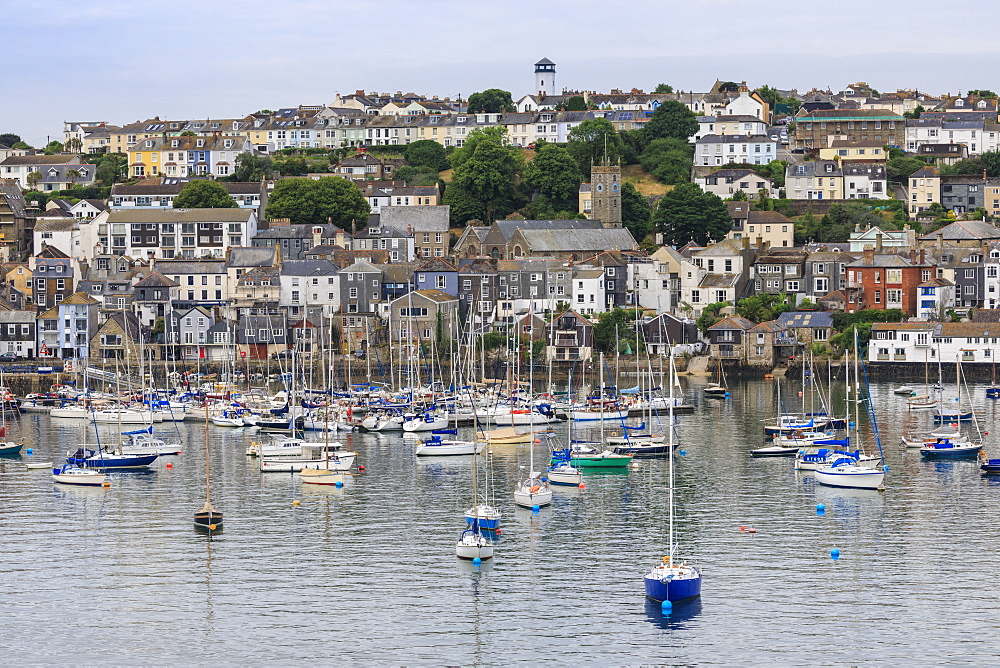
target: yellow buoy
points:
(296, 502)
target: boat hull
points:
(528, 499)
(850, 477)
(312, 476)
(78, 477)
(775, 451)
(959, 451)
(676, 589)
(448, 448)
(115, 462)
(10, 448)
(570, 476)
(208, 521)
(342, 462)
(598, 461)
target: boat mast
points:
(670, 454)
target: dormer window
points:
(829, 169)
(174, 143)
(149, 143)
(42, 268)
(959, 103)
(372, 230)
(982, 104)
(546, 118)
(59, 268)
(228, 143)
(200, 143)
(460, 119)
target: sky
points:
(121, 61)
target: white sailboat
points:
(534, 491)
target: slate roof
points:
(965, 230)
(735, 139)
(434, 296)
(40, 160)
(769, 326)
(190, 266)
(810, 319)
(554, 241)
(297, 232)
(156, 280)
(719, 280)
(175, 186)
(252, 256)
(308, 268)
(55, 224)
(734, 322)
(509, 227)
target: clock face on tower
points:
(614, 187)
(600, 187)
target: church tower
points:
(606, 193)
(545, 78)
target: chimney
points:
(940, 240)
(878, 242)
(746, 243)
(913, 256)
(869, 255)
(923, 256)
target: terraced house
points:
(186, 156)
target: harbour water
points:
(367, 573)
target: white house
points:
(167, 233)
(729, 125)
(725, 149)
(589, 296)
(309, 287)
(744, 105)
(865, 180)
(917, 342)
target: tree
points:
(635, 212)
(976, 92)
(762, 307)
(710, 316)
(426, 153)
(483, 183)
(634, 142)
(770, 95)
(669, 160)
(488, 134)
(729, 87)
(919, 109)
(20, 145)
(576, 103)
(33, 178)
(417, 176)
(592, 142)
(252, 167)
(554, 174)
(109, 167)
(204, 194)
(491, 101)
(686, 213)
(9, 139)
(671, 120)
(613, 327)
(73, 175)
(188, 133)
(663, 89)
(54, 147)
(898, 170)
(73, 145)
(739, 196)
(305, 201)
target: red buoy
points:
(361, 467)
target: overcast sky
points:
(121, 61)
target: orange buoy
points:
(742, 528)
(752, 530)
(582, 486)
(169, 465)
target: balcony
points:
(882, 358)
(899, 358)
(785, 341)
(726, 354)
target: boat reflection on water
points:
(677, 618)
(475, 570)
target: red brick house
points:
(886, 281)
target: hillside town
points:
(755, 224)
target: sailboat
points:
(7, 448)
(534, 491)
(948, 448)
(718, 389)
(561, 470)
(472, 544)
(925, 400)
(993, 391)
(208, 518)
(322, 475)
(847, 471)
(671, 581)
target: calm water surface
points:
(367, 574)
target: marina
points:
(297, 559)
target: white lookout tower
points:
(545, 78)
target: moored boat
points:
(70, 474)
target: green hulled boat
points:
(593, 460)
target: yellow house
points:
(586, 201)
(856, 150)
(925, 189)
(19, 276)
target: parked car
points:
(282, 355)
(10, 357)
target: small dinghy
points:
(775, 451)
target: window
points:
(353, 293)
